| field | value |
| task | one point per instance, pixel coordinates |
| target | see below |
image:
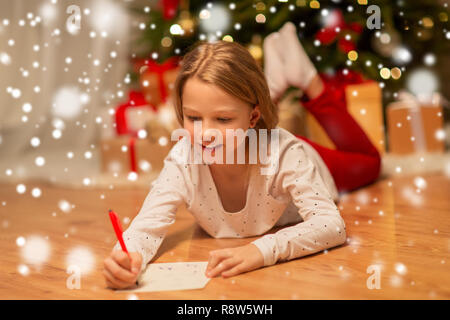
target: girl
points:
(221, 85)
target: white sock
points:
(298, 68)
(273, 66)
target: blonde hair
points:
(231, 67)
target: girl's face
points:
(217, 111)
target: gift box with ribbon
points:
(415, 126)
(156, 79)
(130, 150)
(132, 115)
(364, 103)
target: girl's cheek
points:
(192, 138)
(189, 129)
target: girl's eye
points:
(220, 119)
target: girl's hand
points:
(120, 272)
(233, 261)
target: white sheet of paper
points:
(172, 276)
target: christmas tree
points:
(384, 40)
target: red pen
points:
(118, 229)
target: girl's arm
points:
(322, 225)
(148, 229)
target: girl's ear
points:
(254, 116)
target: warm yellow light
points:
(396, 73)
(186, 21)
(352, 55)
(314, 4)
(260, 6)
(227, 38)
(166, 42)
(260, 18)
(255, 51)
(427, 22)
(385, 73)
(362, 2)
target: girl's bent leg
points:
(330, 110)
(315, 88)
(355, 162)
(349, 170)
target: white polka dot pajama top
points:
(301, 192)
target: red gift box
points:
(127, 152)
(135, 100)
(157, 80)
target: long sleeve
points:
(148, 229)
(322, 226)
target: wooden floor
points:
(391, 227)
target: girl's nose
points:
(209, 134)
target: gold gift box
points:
(415, 128)
(364, 103)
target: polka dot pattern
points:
(299, 192)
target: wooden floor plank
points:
(391, 224)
